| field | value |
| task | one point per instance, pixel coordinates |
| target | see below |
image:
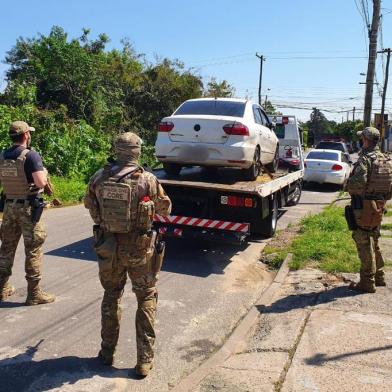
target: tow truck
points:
(218, 205)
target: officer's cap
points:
(370, 133)
(20, 127)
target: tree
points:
(318, 124)
(219, 89)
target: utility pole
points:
(353, 113)
(261, 57)
(348, 114)
(384, 94)
(373, 35)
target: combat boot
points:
(380, 280)
(143, 368)
(368, 287)
(6, 290)
(36, 296)
(106, 357)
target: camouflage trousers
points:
(117, 259)
(17, 222)
(369, 252)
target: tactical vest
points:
(13, 177)
(380, 177)
(121, 210)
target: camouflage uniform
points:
(122, 254)
(367, 238)
(17, 221)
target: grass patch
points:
(325, 242)
(322, 241)
(68, 190)
(386, 226)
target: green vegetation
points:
(68, 190)
(386, 226)
(323, 242)
(78, 95)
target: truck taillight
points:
(285, 120)
(337, 167)
(237, 201)
(165, 126)
(236, 129)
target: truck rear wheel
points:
(172, 169)
(296, 194)
(266, 227)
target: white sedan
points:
(221, 132)
(327, 166)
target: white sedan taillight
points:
(337, 167)
(236, 129)
(165, 126)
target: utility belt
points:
(365, 212)
(150, 245)
(36, 203)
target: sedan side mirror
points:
(272, 126)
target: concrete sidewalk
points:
(316, 335)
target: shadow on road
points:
(80, 250)
(320, 359)
(21, 372)
(301, 301)
(186, 257)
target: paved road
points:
(204, 291)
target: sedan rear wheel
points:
(172, 169)
(254, 171)
(273, 166)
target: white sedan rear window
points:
(325, 156)
(212, 107)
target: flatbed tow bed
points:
(219, 205)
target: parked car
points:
(331, 145)
(327, 166)
(221, 132)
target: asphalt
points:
(205, 289)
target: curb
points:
(237, 339)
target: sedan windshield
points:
(325, 156)
(212, 107)
(330, 146)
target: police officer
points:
(122, 199)
(370, 187)
(23, 178)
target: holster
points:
(37, 207)
(158, 255)
(2, 202)
(371, 214)
(350, 218)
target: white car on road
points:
(327, 166)
(221, 132)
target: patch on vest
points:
(114, 192)
(8, 171)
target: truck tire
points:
(266, 227)
(172, 169)
(297, 195)
(273, 166)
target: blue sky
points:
(220, 38)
